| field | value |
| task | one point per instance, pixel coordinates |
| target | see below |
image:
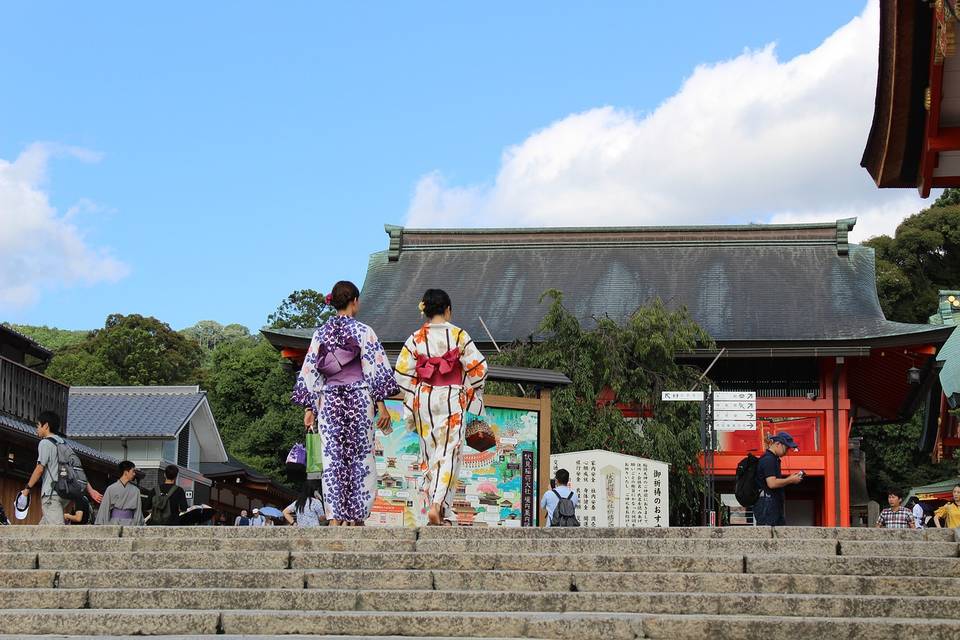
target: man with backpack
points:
(769, 508)
(560, 502)
(55, 460)
(169, 500)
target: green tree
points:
(921, 258)
(632, 362)
(249, 391)
(50, 337)
(302, 309)
(129, 350)
(893, 459)
(948, 198)
(209, 333)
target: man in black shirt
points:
(169, 500)
(769, 509)
(79, 513)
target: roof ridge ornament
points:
(844, 227)
(396, 241)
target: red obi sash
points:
(441, 371)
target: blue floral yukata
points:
(344, 375)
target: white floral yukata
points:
(441, 373)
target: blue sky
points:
(210, 158)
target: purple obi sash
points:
(122, 514)
(340, 365)
(441, 371)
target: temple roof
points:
(754, 284)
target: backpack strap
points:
(556, 493)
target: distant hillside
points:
(50, 337)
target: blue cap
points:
(785, 439)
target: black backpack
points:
(160, 509)
(564, 515)
(747, 491)
(70, 481)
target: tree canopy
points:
(632, 362)
(302, 309)
(921, 258)
(129, 350)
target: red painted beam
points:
(946, 139)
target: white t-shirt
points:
(918, 515)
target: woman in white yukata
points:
(441, 373)
(343, 384)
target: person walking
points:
(917, 510)
(121, 501)
(343, 384)
(78, 513)
(52, 506)
(559, 491)
(242, 520)
(169, 500)
(769, 509)
(896, 516)
(441, 373)
(949, 513)
(308, 509)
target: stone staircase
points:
(749, 582)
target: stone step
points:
(203, 544)
(249, 637)
(18, 560)
(862, 533)
(899, 549)
(445, 580)
(39, 532)
(101, 622)
(26, 578)
(730, 627)
(635, 546)
(181, 579)
(514, 562)
(123, 560)
(855, 566)
(611, 582)
(803, 605)
(513, 533)
(352, 533)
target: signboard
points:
(681, 396)
(616, 490)
(489, 489)
(734, 411)
(528, 512)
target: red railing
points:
(24, 393)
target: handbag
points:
(297, 455)
(314, 455)
(480, 436)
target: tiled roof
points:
(6, 422)
(31, 346)
(754, 284)
(130, 412)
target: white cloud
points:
(40, 250)
(751, 139)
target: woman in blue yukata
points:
(343, 384)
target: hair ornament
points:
(421, 306)
(329, 298)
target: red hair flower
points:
(329, 298)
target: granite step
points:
(635, 546)
(203, 544)
(855, 566)
(899, 549)
(124, 560)
(803, 605)
(515, 562)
